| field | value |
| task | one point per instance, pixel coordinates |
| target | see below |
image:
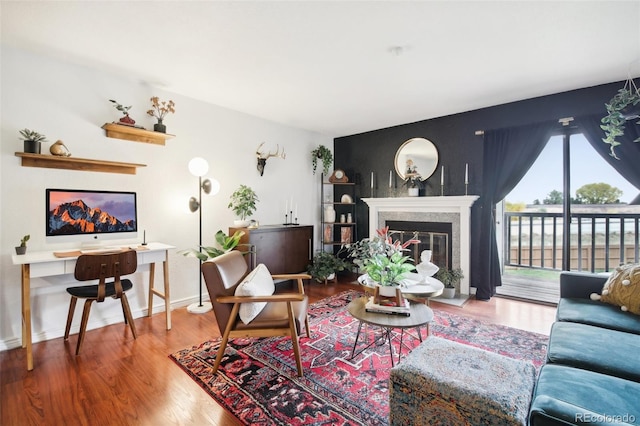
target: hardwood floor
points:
(120, 381)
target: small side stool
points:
(442, 382)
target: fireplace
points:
(434, 236)
(455, 211)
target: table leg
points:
(356, 342)
(164, 295)
(391, 347)
(152, 275)
(26, 314)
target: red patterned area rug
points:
(258, 383)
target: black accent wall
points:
(454, 137)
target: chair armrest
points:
(282, 297)
(580, 285)
(291, 276)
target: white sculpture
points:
(425, 267)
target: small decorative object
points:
(413, 179)
(345, 235)
(160, 110)
(323, 153)
(325, 265)
(381, 258)
(349, 218)
(262, 157)
(425, 267)
(329, 214)
(243, 204)
(346, 198)
(32, 141)
(126, 120)
(59, 149)
(624, 106)
(343, 218)
(328, 234)
(449, 277)
(225, 244)
(338, 176)
(22, 248)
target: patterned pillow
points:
(623, 288)
(257, 283)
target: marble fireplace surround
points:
(446, 209)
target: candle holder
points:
(441, 189)
(466, 189)
(286, 219)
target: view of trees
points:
(591, 193)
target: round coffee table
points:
(420, 314)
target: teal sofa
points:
(592, 373)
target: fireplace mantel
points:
(457, 206)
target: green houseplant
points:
(624, 106)
(225, 244)
(22, 248)
(243, 204)
(325, 265)
(32, 141)
(449, 277)
(322, 153)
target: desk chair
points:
(282, 315)
(102, 267)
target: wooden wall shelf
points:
(72, 163)
(129, 133)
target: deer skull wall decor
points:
(262, 157)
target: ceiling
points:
(338, 67)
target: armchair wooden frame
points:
(234, 327)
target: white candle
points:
(286, 210)
(442, 176)
(466, 173)
(390, 179)
(291, 205)
(371, 180)
(296, 210)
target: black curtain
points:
(628, 152)
(507, 156)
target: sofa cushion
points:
(623, 288)
(566, 395)
(596, 313)
(258, 283)
(596, 349)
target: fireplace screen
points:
(434, 236)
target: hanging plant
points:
(624, 106)
(322, 153)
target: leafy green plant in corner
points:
(31, 135)
(243, 202)
(322, 153)
(618, 108)
(324, 264)
(449, 277)
(225, 244)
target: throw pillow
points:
(622, 288)
(257, 283)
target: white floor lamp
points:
(199, 167)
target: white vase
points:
(414, 192)
(387, 290)
(329, 214)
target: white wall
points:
(69, 102)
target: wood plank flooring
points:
(120, 381)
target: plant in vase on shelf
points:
(32, 141)
(243, 204)
(325, 265)
(381, 258)
(159, 111)
(22, 248)
(126, 120)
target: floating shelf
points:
(72, 163)
(135, 134)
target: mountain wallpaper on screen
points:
(76, 217)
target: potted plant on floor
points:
(32, 141)
(322, 153)
(325, 265)
(449, 277)
(243, 204)
(22, 248)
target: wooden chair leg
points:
(225, 337)
(83, 324)
(72, 309)
(294, 339)
(306, 325)
(128, 318)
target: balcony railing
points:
(598, 241)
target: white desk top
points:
(49, 256)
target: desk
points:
(46, 264)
